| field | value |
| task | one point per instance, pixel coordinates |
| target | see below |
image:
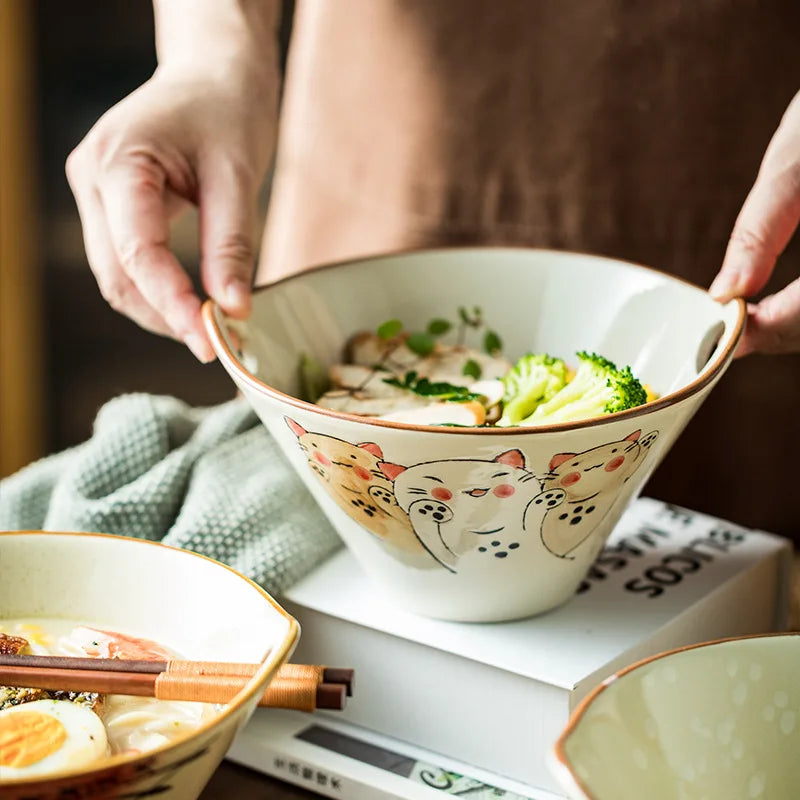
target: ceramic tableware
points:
(480, 524)
(716, 720)
(199, 608)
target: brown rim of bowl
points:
(709, 373)
(583, 706)
(276, 655)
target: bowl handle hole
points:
(708, 345)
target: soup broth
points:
(132, 724)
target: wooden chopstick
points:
(179, 666)
(304, 692)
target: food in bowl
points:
(420, 379)
(97, 595)
(43, 731)
(490, 522)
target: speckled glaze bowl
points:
(197, 607)
(719, 721)
(480, 524)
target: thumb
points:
(227, 225)
(763, 229)
(768, 217)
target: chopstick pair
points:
(297, 686)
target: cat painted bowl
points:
(479, 524)
(194, 606)
(716, 720)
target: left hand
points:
(767, 221)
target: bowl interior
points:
(537, 300)
(197, 607)
(721, 720)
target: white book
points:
(496, 696)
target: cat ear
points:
(391, 471)
(633, 436)
(512, 458)
(559, 458)
(373, 448)
(297, 429)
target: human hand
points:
(180, 138)
(766, 223)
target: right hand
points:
(178, 139)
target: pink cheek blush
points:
(615, 463)
(442, 494)
(570, 478)
(361, 472)
(503, 490)
(322, 458)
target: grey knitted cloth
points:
(209, 480)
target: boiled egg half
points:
(48, 736)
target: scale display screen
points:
(420, 772)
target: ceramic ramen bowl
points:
(717, 720)
(196, 607)
(480, 524)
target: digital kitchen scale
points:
(335, 759)
(474, 709)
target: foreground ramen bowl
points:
(480, 524)
(196, 607)
(718, 720)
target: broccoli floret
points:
(534, 379)
(598, 387)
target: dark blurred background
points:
(75, 60)
(89, 55)
(64, 352)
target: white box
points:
(496, 696)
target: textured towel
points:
(209, 480)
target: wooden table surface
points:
(234, 781)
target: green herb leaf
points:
(492, 343)
(313, 379)
(473, 369)
(438, 327)
(420, 343)
(462, 313)
(439, 390)
(389, 329)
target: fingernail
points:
(237, 293)
(200, 348)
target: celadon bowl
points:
(479, 524)
(197, 607)
(716, 721)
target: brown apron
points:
(632, 129)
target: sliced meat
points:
(468, 414)
(363, 391)
(447, 364)
(15, 696)
(109, 644)
(492, 389)
(92, 700)
(365, 406)
(368, 349)
(12, 645)
(365, 380)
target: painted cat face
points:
(599, 470)
(351, 468)
(480, 494)
(351, 476)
